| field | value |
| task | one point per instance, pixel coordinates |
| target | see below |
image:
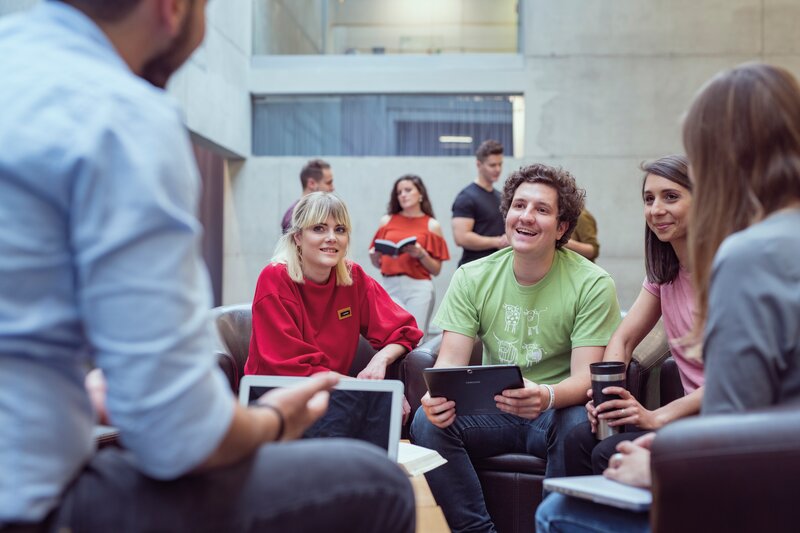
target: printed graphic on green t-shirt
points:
(537, 326)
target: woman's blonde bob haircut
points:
(313, 209)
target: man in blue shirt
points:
(100, 264)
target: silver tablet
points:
(364, 409)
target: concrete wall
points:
(605, 84)
(289, 26)
(211, 86)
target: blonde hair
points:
(742, 137)
(313, 209)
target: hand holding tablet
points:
(470, 389)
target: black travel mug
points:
(606, 374)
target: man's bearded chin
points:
(160, 68)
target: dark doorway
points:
(212, 174)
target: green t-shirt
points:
(536, 326)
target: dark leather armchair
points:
(512, 483)
(729, 473)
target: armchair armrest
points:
(646, 362)
(415, 361)
(731, 472)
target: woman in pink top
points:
(667, 294)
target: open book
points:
(392, 248)
(417, 460)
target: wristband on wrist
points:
(281, 420)
(552, 396)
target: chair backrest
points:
(476, 357)
(653, 349)
(235, 326)
(650, 372)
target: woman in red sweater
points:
(311, 304)
(310, 307)
(407, 276)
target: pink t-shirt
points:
(677, 310)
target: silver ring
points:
(616, 458)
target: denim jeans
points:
(455, 485)
(564, 514)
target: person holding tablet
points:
(311, 305)
(743, 145)
(102, 265)
(534, 304)
(667, 293)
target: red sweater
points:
(300, 329)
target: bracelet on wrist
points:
(552, 400)
(281, 420)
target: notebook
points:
(602, 490)
(376, 405)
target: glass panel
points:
(385, 125)
(312, 27)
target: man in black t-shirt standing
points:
(478, 225)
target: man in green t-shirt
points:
(536, 305)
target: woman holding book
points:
(743, 143)
(407, 275)
(667, 294)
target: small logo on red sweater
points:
(345, 313)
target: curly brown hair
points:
(570, 196)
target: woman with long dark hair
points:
(666, 294)
(407, 276)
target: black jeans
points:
(310, 485)
(584, 455)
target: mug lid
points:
(607, 367)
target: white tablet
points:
(602, 490)
(364, 409)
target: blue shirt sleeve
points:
(143, 289)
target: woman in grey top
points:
(742, 137)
